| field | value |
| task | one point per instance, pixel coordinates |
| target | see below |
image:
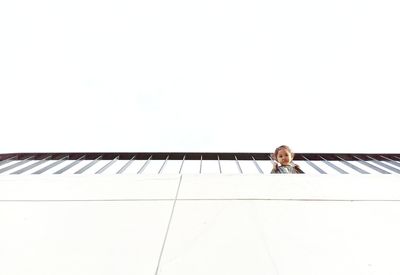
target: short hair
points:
(280, 148)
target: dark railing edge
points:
(197, 156)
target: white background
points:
(211, 75)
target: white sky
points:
(210, 75)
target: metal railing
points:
(192, 162)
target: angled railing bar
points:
(7, 160)
(238, 165)
(257, 166)
(54, 164)
(352, 166)
(371, 166)
(201, 163)
(144, 165)
(219, 165)
(396, 157)
(12, 166)
(183, 160)
(101, 170)
(29, 167)
(313, 165)
(162, 166)
(340, 170)
(384, 165)
(69, 165)
(120, 171)
(271, 159)
(392, 162)
(90, 164)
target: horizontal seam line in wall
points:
(236, 199)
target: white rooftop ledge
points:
(199, 224)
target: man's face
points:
(284, 157)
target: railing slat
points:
(257, 166)
(183, 160)
(101, 170)
(384, 165)
(372, 166)
(144, 165)
(69, 166)
(29, 167)
(219, 165)
(392, 162)
(162, 166)
(238, 165)
(340, 170)
(120, 171)
(54, 164)
(7, 160)
(12, 166)
(80, 171)
(313, 165)
(358, 169)
(201, 164)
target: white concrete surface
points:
(219, 224)
(283, 237)
(291, 186)
(81, 238)
(88, 187)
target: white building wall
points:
(199, 224)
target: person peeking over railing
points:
(283, 161)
